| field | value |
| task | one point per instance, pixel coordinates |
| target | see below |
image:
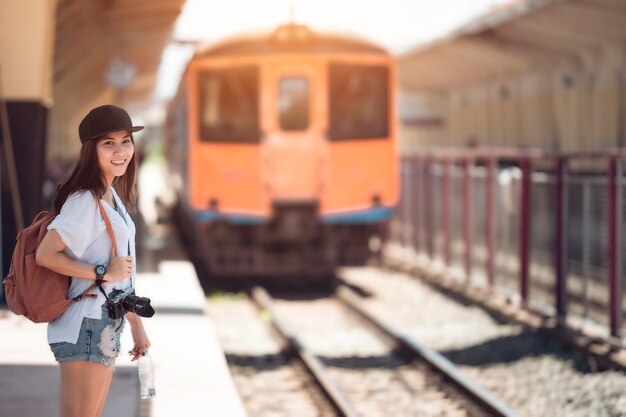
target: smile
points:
(119, 162)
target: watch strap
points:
(100, 277)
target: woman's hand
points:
(120, 267)
(140, 338)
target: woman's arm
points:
(142, 343)
(50, 255)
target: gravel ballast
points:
(531, 372)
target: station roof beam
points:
(516, 38)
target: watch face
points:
(100, 270)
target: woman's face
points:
(115, 151)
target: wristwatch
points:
(100, 271)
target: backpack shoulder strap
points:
(84, 293)
(107, 222)
(40, 216)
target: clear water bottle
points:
(146, 377)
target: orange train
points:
(283, 152)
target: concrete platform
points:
(191, 374)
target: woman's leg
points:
(84, 386)
(104, 394)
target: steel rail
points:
(313, 364)
(435, 359)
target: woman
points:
(84, 340)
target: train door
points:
(293, 143)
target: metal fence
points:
(542, 228)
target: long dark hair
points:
(88, 176)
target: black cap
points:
(105, 119)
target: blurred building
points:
(532, 73)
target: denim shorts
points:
(98, 342)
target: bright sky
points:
(397, 25)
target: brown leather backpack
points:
(33, 291)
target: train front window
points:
(358, 101)
(229, 104)
(293, 103)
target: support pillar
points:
(26, 61)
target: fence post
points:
(560, 241)
(586, 242)
(524, 229)
(445, 209)
(428, 208)
(406, 200)
(467, 216)
(490, 220)
(614, 236)
(417, 199)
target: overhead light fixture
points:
(120, 74)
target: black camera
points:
(120, 302)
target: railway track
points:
(270, 380)
(534, 372)
(384, 372)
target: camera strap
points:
(109, 228)
(123, 216)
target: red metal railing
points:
(538, 197)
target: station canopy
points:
(518, 37)
(109, 44)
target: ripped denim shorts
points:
(98, 342)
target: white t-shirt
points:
(82, 229)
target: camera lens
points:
(138, 305)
